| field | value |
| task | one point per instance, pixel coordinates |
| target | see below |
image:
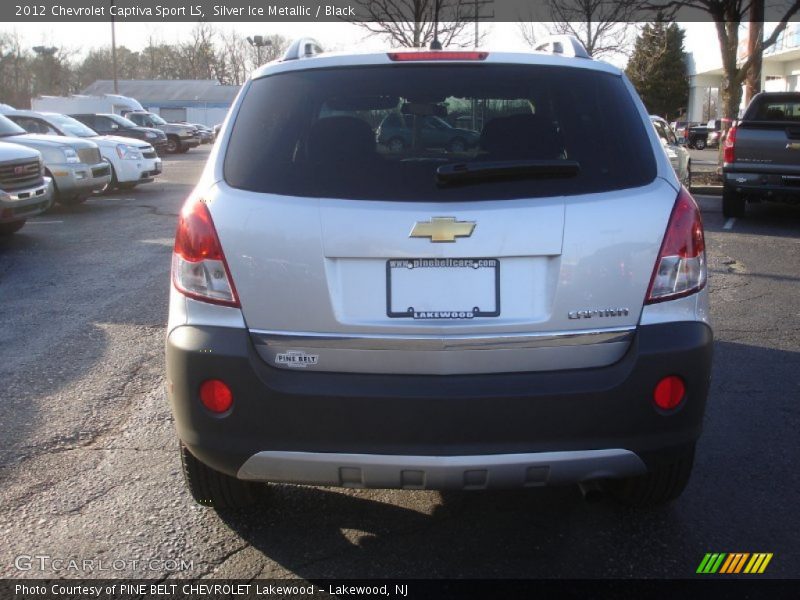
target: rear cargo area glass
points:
(381, 132)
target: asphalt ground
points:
(89, 468)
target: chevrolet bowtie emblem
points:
(442, 229)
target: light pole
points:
(46, 53)
(259, 42)
(114, 50)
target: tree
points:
(604, 27)
(412, 23)
(657, 69)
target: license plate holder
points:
(415, 287)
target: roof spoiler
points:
(563, 45)
(302, 48)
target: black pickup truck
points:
(700, 136)
(761, 155)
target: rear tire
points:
(9, 228)
(700, 144)
(733, 203)
(212, 488)
(662, 484)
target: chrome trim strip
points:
(496, 341)
(390, 471)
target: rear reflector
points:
(437, 55)
(680, 268)
(199, 269)
(216, 396)
(669, 392)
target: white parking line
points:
(729, 223)
(160, 242)
(44, 222)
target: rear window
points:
(776, 109)
(382, 132)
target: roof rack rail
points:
(302, 48)
(565, 45)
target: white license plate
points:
(442, 288)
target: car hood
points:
(51, 141)
(16, 152)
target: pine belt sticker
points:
(296, 359)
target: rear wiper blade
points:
(476, 172)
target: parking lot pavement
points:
(704, 160)
(90, 469)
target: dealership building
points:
(193, 100)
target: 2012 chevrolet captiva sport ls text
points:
(528, 311)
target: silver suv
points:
(529, 311)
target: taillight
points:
(438, 55)
(729, 149)
(199, 269)
(681, 264)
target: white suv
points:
(529, 311)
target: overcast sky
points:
(701, 38)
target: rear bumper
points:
(489, 430)
(764, 184)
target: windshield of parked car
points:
(9, 128)
(70, 126)
(383, 132)
(122, 121)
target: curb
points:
(708, 190)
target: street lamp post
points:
(259, 42)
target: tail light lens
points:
(681, 264)
(729, 150)
(199, 269)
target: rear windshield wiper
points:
(477, 172)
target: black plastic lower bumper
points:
(430, 415)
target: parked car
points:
(681, 129)
(397, 132)
(761, 158)
(75, 165)
(24, 190)
(204, 132)
(111, 124)
(678, 155)
(701, 136)
(180, 138)
(132, 161)
(529, 312)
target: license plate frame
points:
(442, 263)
